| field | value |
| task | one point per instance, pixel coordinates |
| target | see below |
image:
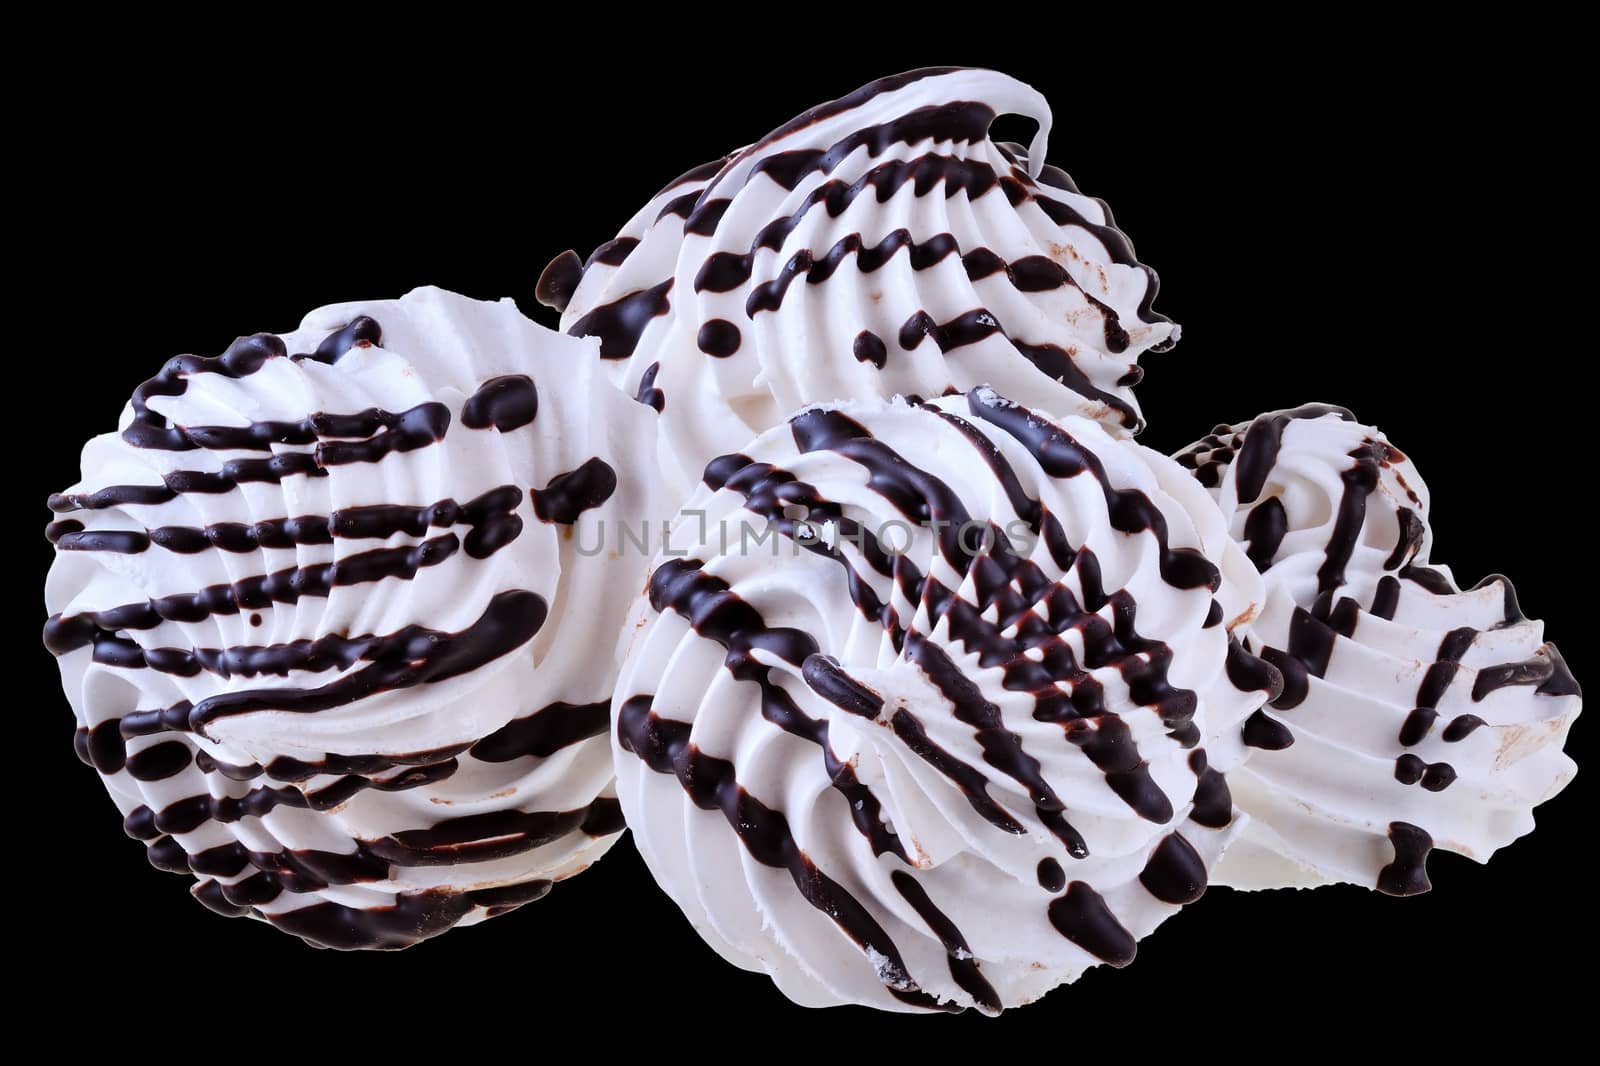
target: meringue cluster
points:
(935, 689)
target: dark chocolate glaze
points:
(244, 357)
(413, 917)
(963, 967)
(1082, 916)
(648, 394)
(1264, 530)
(1131, 511)
(1360, 481)
(559, 279)
(1249, 673)
(1546, 671)
(569, 495)
(67, 633)
(544, 732)
(850, 102)
(716, 613)
(613, 253)
(1213, 803)
(504, 403)
(960, 122)
(467, 839)
(1175, 872)
(410, 656)
(385, 432)
(489, 518)
(621, 323)
(829, 680)
(710, 783)
(1461, 727)
(1263, 437)
(1311, 644)
(1029, 274)
(680, 207)
(718, 338)
(869, 348)
(1413, 531)
(1051, 877)
(923, 497)
(971, 782)
(1263, 731)
(1407, 875)
(1435, 681)
(159, 761)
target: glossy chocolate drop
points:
(503, 403)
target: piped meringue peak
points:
(319, 612)
(957, 764)
(876, 245)
(1414, 714)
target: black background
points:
(1358, 230)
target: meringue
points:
(879, 244)
(1414, 714)
(321, 614)
(928, 705)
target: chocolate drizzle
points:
(1175, 873)
(621, 323)
(560, 278)
(719, 338)
(648, 394)
(716, 613)
(569, 495)
(244, 357)
(710, 783)
(1261, 730)
(1262, 440)
(503, 403)
(544, 732)
(65, 634)
(489, 518)
(1407, 875)
(1546, 671)
(1131, 511)
(410, 656)
(963, 967)
(385, 432)
(1213, 803)
(869, 348)
(1081, 915)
